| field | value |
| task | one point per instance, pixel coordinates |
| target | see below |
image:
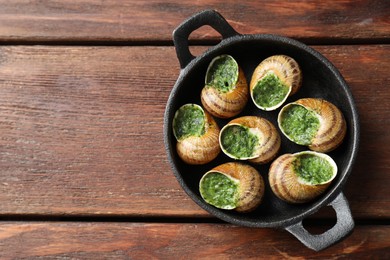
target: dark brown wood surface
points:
(83, 170)
(154, 20)
(186, 241)
(82, 130)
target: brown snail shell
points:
(200, 149)
(268, 137)
(225, 104)
(286, 69)
(287, 185)
(332, 128)
(250, 184)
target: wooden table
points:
(83, 88)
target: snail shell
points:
(267, 143)
(288, 186)
(250, 190)
(198, 148)
(273, 80)
(332, 125)
(225, 93)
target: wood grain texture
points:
(81, 131)
(178, 241)
(138, 20)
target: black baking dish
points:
(320, 80)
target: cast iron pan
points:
(320, 80)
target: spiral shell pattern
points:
(229, 104)
(333, 126)
(285, 185)
(251, 184)
(200, 149)
(270, 140)
(285, 68)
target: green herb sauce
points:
(222, 74)
(313, 169)
(189, 120)
(269, 91)
(219, 190)
(300, 124)
(239, 141)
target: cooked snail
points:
(225, 93)
(196, 133)
(314, 122)
(273, 80)
(301, 177)
(250, 138)
(232, 186)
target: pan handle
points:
(183, 31)
(343, 227)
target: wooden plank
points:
(372, 99)
(81, 131)
(136, 20)
(179, 241)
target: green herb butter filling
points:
(238, 141)
(313, 169)
(189, 120)
(222, 73)
(269, 91)
(299, 124)
(219, 190)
